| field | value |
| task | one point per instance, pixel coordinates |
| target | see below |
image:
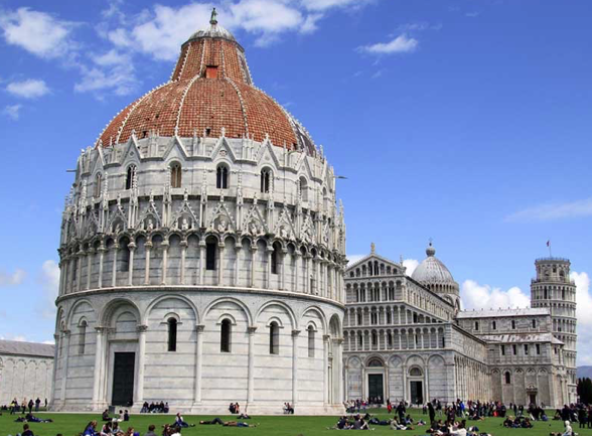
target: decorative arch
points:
(319, 313)
(174, 297)
(236, 301)
(112, 306)
(284, 306)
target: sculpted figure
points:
(222, 225)
(184, 224)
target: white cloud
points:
(353, 258)
(554, 211)
(30, 88)
(13, 111)
(49, 279)
(12, 279)
(400, 44)
(112, 70)
(410, 264)
(583, 310)
(476, 296)
(37, 32)
(17, 338)
(323, 5)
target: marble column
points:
(198, 363)
(251, 381)
(148, 247)
(165, 260)
(130, 271)
(114, 266)
(326, 339)
(183, 257)
(98, 370)
(66, 355)
(141, 364)
(101, 250)
(295, 336)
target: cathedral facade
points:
(405, 338)
(202, 254)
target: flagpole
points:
(549, 245)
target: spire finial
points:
(430, 251)
(213, 19)
(372, 248)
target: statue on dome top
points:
(213, 18)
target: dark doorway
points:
(532, 398)
(375, 387)
(416, 392)
(123, 379)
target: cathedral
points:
(203, 262)
(202, 255)
(406, 337)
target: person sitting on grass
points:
(90, 429)
(180, 422)
(105, 416)
(27, 431)
(244, 416)
(396, 425)
(150, 431)
(107, 429)
(342, 424)
(460, 431)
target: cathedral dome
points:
(432, 270)
(210, 94)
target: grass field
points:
(73, 424)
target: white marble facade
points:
(26, 371)
(406, 339)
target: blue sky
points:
(467, 121)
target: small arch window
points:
(123, 256)
(274, 338)
(275, 258)
(176, 175)
(266, 180)
(311, 341)
(508, 377)
(98, 185)
(303, 184)
(130, 179)
(172, 334)
(222, 177)
(82, 337)
(415, 372)
(211, 253)
(513, 324)
(225, 336)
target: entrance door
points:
(375, 387)
(416, 392)
(123, 379)
(532, 398)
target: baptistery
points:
(202, 252)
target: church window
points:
(563, 294)
(265, 180)
(303, 185)
(508, 378)
(176, 175)
(172, 334)
(513, 324)
(476, 325)
(389, 338)
(311, 341)
(526, 349)
(414, 318)
(123, 256)
(391, 293)
(415, 372)
(82, 337)
(374, 317)
(225, 336)
(275, 254)
(374, 339)
(443, 342)
(360, 341)
(130, 177)
(211, 252)
(388, 317)
(359, 318)
(534, 323)
(274, 338)
(514, 349)
(546, 294)
(503, 350)
(212, 72)
(493, 325)
(222, 177)
(98, 183)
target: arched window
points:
(176, 175)
(82, 337)
(211, 253)
(534, 323)
(508, 378)
(274, 338)
(513, 324)
(311, 341)
(546, 294)
(98, 185)
(563, 294)
(374, 339)
(415, 372)
(130, 178)
(222, 177)
(123, 256)
(225, 336)
(275, 258)
(172, 339)
(266, 176)
(303, 184)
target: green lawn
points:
(73, 424)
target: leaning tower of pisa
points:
(554, 289)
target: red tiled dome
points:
(211, 89)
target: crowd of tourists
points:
(24, 406)
(153, 407)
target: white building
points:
(202, 254)
(406, 338)
(26, 371)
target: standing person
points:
(432, 412)
(46, 404)
(31, 404)
(582, 417)
(37, 403)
